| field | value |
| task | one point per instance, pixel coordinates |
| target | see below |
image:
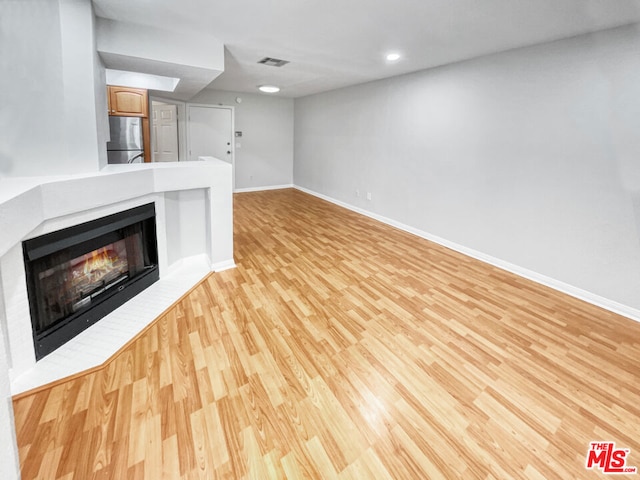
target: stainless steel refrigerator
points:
(126, 140)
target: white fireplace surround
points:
(194, 219)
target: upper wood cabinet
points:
(126, 101)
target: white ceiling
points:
(336, 43)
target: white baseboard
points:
(202, 263)
(589, 297)
(224, 265)
(261, 189)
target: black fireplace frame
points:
(81, 239)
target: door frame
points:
(182, 124)
(232, 134)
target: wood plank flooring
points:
(341, 348)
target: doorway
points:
(210, 133)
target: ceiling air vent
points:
(273, 62)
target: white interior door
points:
(210, 132)
(164, 136)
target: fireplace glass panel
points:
(72, 285)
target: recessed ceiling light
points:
(392, 57)
(269, 88)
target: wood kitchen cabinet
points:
(129, 102)
(132, 102)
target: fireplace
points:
(78, 275)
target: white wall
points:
(9, 452)
(187, 214)
(101, 110)
(31, 85)
(265, 155)
(49, 103)
(143, 42)
(531, 156)
(84, 88)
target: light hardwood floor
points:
(342, 348)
